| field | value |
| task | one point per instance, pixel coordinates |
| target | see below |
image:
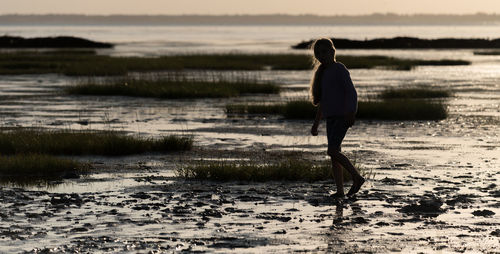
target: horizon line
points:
(263, 14)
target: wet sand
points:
(450, 209)
(433, 186)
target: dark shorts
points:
(336, 128)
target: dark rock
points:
(273, 216)
(140, 195)
(462, 199)
(395, 233)
(235, 210)
(390, 181)
(496, 233)
(359, 220)
(382, 224)
(66, 199)
(484, 213)
(200, 204)
(495, 193)
(427, 207)
(280, 232)
(79, 230)
(234, 242)
(141, 207)
(446, 189)
(179, 210)
(211, 213)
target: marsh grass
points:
(487, 53)
(172, 88)
(288, 170)
(377, 110)
(299, 109)
(87, 63)
(369, 62)
(29, 169)
(402, 110)
(414, 93)
(108, 143)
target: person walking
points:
(333, 92)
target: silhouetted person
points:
(334, 94)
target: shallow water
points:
(161, 40)
(138, 205)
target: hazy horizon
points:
(231, 7)
(263, 19)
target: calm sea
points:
(156, 40)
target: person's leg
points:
(338, 177)
(346, 163)
(334, 144)
(335, 132)
(357, 179)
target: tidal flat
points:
(432, 184)
(89, 63)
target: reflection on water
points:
(161, 40)
(458, 155)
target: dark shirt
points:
(338, 95)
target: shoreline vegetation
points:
(414, 93)
(487, 53)
(394, 109)
(107, 143)
(403, 104)
(172, 87)
(32, 169)
(288, 170)
(29, 156)
(50, 42)
(89, 63)
(408, 43)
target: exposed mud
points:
(155, 211)
(433, 186)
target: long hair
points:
(319, 47)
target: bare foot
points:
(337, 195)
(356, 186)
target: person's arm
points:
(319, 115)
(351, 100)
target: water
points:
(459, 153)
(160, 40)
(476, 87)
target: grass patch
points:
(290, 170)
(87, 63)
(31, 169)
(396, 104)
(377, 110)
(108, 143)
(300, 109)
(401, 110)
(487, 53)
(414, 93)
(172, 88)
(368, 62)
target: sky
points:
(221, 7)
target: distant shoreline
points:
(16, 42)
(131, 20)
(408, 43)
